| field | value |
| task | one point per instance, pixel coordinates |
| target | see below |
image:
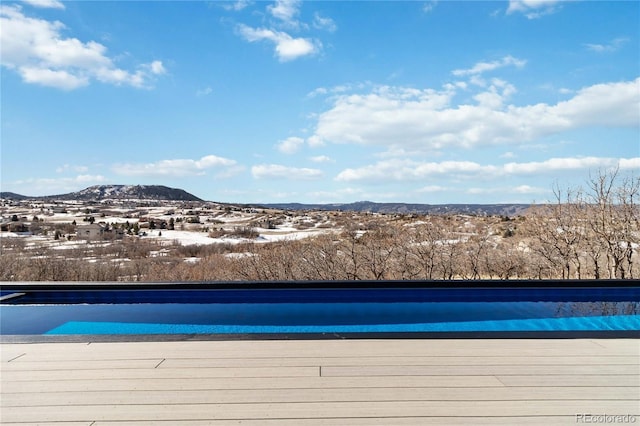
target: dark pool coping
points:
(313, 284)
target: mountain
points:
(13, 196)
(127, 192)
(164, 193)
(404, 208)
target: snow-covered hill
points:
(128, 192)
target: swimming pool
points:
(321, 309)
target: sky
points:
(319, 101)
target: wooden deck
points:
(320, 382)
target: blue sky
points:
(320, 101)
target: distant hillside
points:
(164, 193)
(127, 192)
(403, 208)
(13, 196)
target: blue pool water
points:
(620, 322)
(319, 311)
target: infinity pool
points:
(312, 309)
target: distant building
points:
(13, 226)
(89, 232)
(266, 223)
(113, 233)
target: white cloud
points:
(157, 68)
(605, 104)
(409, 170)
(204, 92)
(321, 159)
(235, 6)
(318, 91)
(342, 88)
(428, 6)
(315, 141)
(613, 46)
(45, 4)
(286, 14)
(290, 145)
(89, 178)
(433, 188)
(496, 94)
(178, 167)
(59, 79)
(48, 186)
(287, 48)
(521, 189)
(533, 9)
(571, 163)
(482, 67)
(286, 11)
(632, 164)
(68, 167)
(276, 171)
(324, 23)
(527, 189)
(425, 120)
(36, 49)
(340, 194)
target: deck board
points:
(324, 382)
(254, 383)
(53, 397)
(386, 421)
(329, 348)
(140, 411)
(24, 362)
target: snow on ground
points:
(187, 238)
(270, 235)
(69, 245)
(116, 219)
(4, 234)
(238, 255)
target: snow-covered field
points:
(192, 225)
(187, 238)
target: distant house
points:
(13, 226)
(89, 232)
(111, 233)
(266, 223)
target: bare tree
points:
(614, 220)
(425, 243)
(558, 230)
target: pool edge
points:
(104, 338)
